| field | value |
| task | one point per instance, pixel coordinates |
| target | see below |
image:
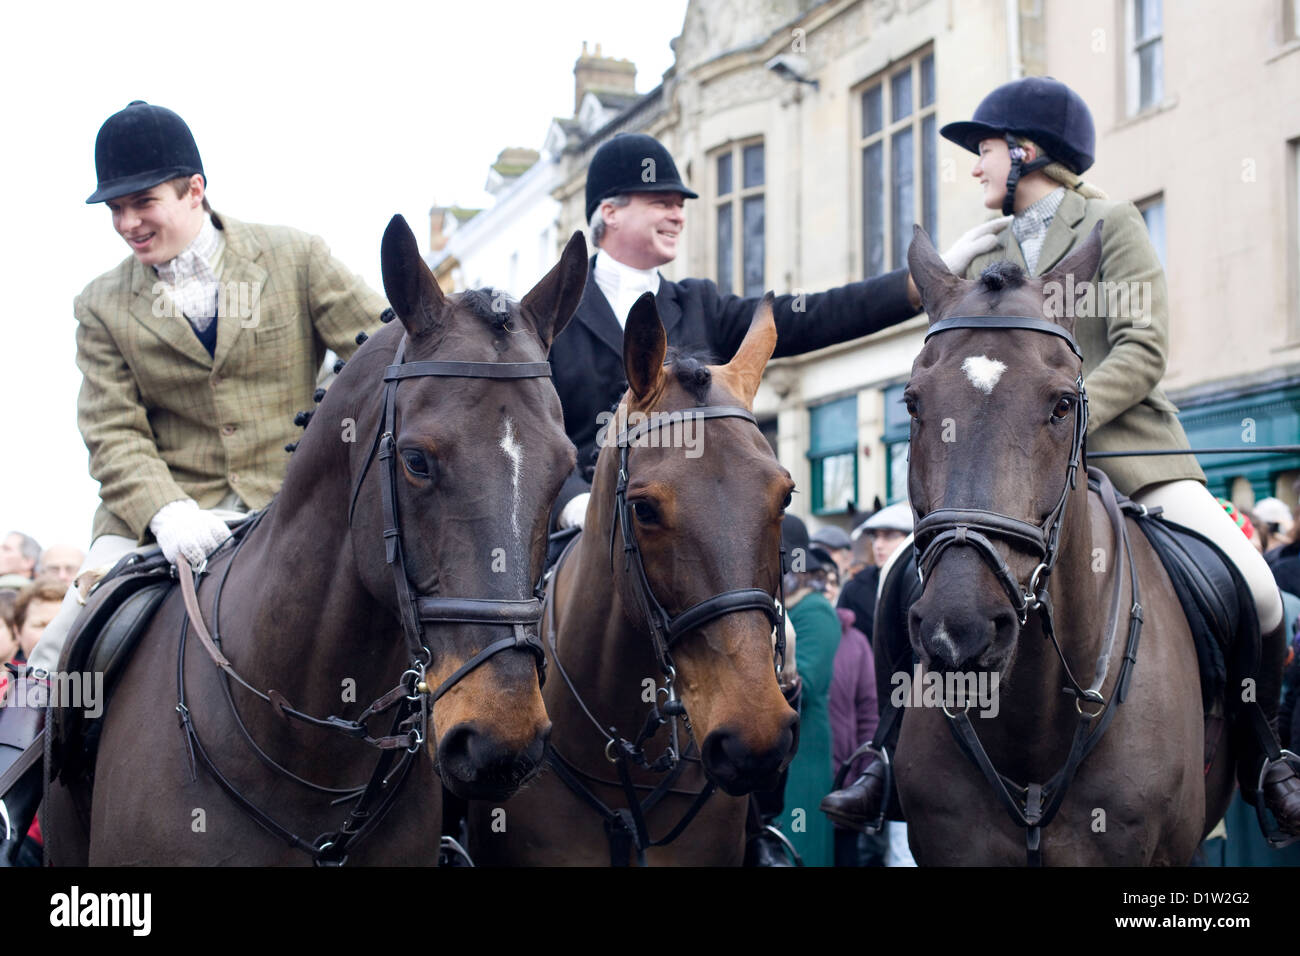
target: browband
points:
(1004, 322)
(468, 370)
(661, 419)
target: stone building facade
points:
(1198, 122)
(810, 131)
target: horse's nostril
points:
(734, 764)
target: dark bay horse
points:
(996, 479)
(416, 505)
(695, 527)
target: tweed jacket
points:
(162, 419)
(1124, 354)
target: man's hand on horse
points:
(182, 527)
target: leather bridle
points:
(666, 629)
(1034, 805)
(412, 697)
(972, 527)
(626, 827)
(414, 609)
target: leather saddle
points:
(1218, 605)
(117, 611)
(101, 641)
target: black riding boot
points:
(765, 844)
(859, 805)
(1281, 782)
(21, 719)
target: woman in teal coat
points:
(817, 637)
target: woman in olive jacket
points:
(1034, 138)
(1039, 129)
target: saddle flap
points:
(100, 643)
(1215, 599)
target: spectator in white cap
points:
(887, 529)
(1273, 518)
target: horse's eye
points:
(1062, 409)
(789, 497)
(910, 404)
(644, 512)
(415, 463)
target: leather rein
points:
(1034, 805)
(411, 698)
(626, 827)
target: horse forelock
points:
(692, 372)
(492, 306)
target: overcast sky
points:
(326, 116)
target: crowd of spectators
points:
(33, 582)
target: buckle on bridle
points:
(1092, 697)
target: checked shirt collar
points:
(1030, 226)
(191, 279)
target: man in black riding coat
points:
(636, 208)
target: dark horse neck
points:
(304, 624)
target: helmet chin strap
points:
(1018, 168)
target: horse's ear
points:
(411, 288)
(930, 273)
(551, 303)
(1082, 264)
(757, 347)
(644, 346)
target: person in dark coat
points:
(854, 716)
(887, 529)
(636, 208)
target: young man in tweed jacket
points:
(196, 351)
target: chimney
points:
(601, 74)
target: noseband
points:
(972, 527)
(666, 629)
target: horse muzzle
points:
(738, 769)
(476, 765)
(952, 637)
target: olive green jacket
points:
(164, 420)
(1124, 338)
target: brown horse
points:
(996, 475)
(666, 535)
(463, 461)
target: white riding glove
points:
(983, 238)
(573, 514)
(182, 527)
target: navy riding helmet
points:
(140, 147)
(632, 163)
(1041, 109)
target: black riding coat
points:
(587, 357)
